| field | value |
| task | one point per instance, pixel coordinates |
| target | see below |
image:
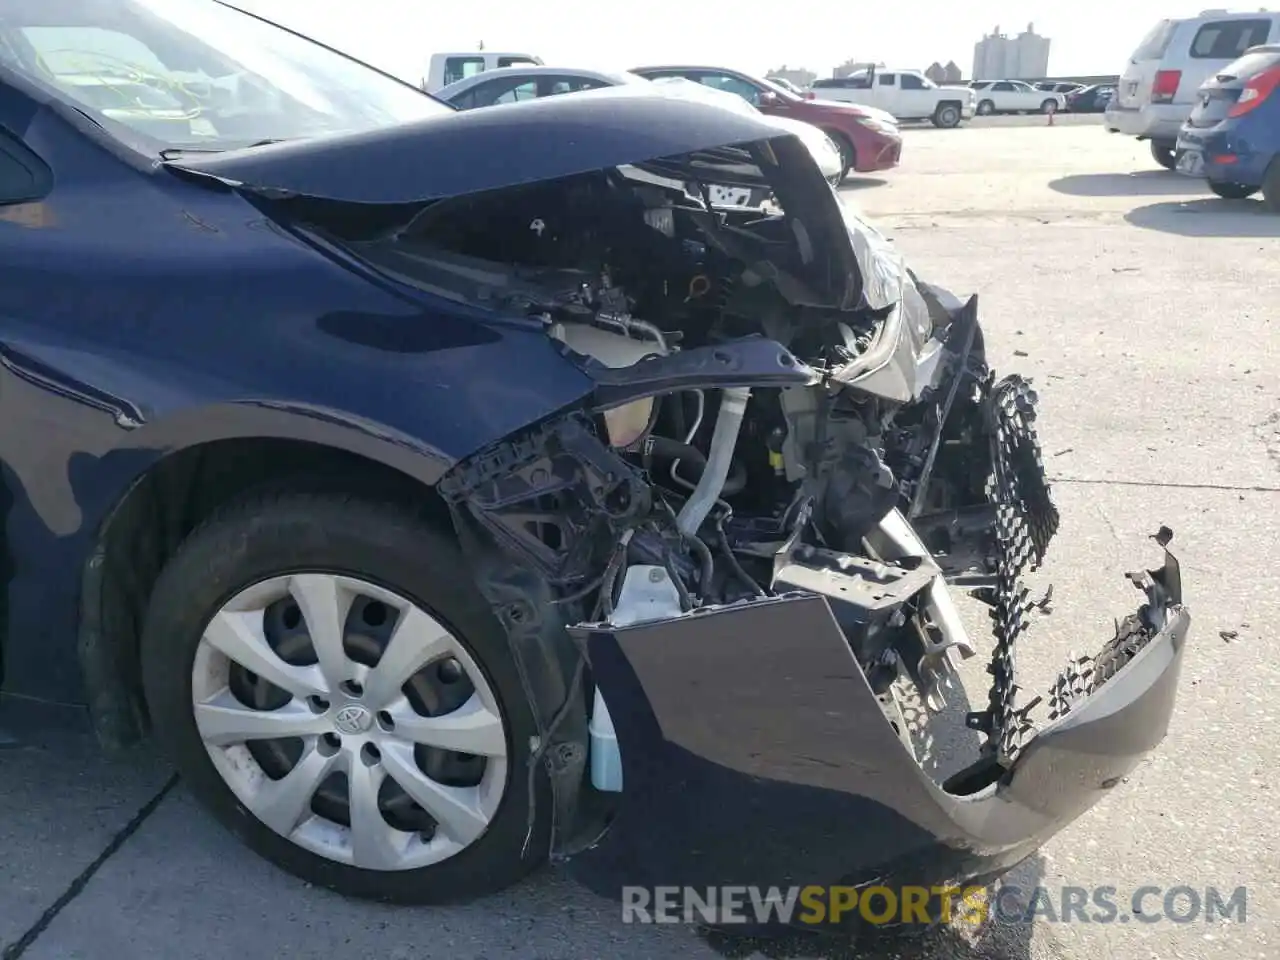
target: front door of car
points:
(915, 100)
(1028, 97)
(25, 182)
(736, 85)
(887, 95)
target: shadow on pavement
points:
(1011, 121)
(1209, 217)
(993, 940)
(1145, 183)
(862, 183)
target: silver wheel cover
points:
(350, 719)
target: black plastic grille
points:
(1026, 521)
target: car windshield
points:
(195, 74)
(780, 90)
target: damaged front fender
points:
(545, 508)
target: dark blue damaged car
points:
(444, 492)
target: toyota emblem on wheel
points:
(352, 719)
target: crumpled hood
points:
(662, 131)
(476, 150)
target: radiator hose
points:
(692, 463)
(711, 485)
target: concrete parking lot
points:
(1145, 310)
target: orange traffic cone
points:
(1052, 114)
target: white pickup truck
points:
(1015, 96)
(907, 94)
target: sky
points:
(399, 36)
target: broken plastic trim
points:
(749, 362)
(559, 475)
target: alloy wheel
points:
(350, 721)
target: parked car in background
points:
(1091, 99)
(1014, 96)
(1158, 87)
(1232, 137)
(446, 68)
(786, 84)
(867, 143)
(516, 84)
(823, 149)
(906, 94)
(1064, 87)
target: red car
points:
(869, 140)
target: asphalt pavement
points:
(1144, 309)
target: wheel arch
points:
(178, 490)
(843, 140)
(1271, 185)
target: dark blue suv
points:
(1232, 137)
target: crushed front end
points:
(720, 574)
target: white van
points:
(1158, 87)
(447, 68)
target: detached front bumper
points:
(755, 753)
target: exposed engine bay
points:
(769, 420)
(845, 478)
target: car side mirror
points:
(768, 98)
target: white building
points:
(999, 56)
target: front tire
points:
(1164, 155)
(946, 116)
(1049, 106)
(1232, 191)
(332, 686)
(848, 154)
